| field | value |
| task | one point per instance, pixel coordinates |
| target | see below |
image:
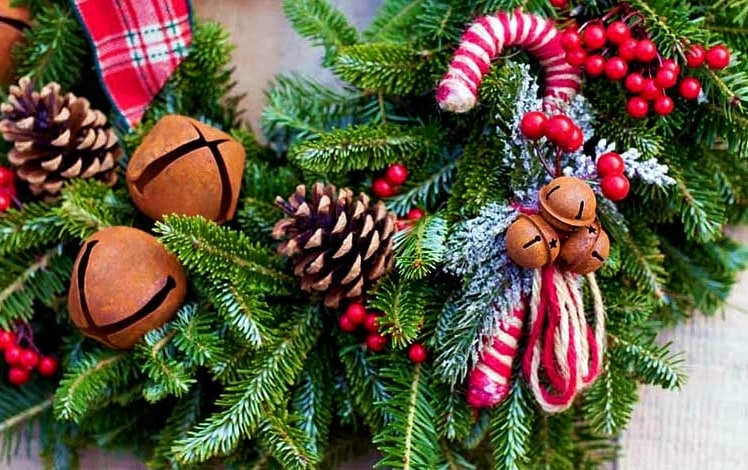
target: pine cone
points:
(56, 138)
(340, 243)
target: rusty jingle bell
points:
(124, 284)
(585, 250)
(567, 203)
(12, 23)
(531, 242)
(186, 167)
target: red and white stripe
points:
(487, 38)
(490, 380)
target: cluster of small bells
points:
(565, 231)
(22, 356)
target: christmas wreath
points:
(460, 256)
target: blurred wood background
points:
(704, 426)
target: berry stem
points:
(543, 161)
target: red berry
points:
(401, 224)
(571, 40)
(29, 358)
(559, 3)
(382, 188)
(575, 140)
(695, 56)
(13, 354)
(47, 366)
(718, 57)
(666, 78)
(558, 128)
(627, 49)
(594, 37)
(415, 213)
(670, 64)
(356, 313)
(615, 187)
(637, 107)
(650, 90)
(610, 163)
(371, 323)
(634, 82)
(594, 65)
(18, 376)
(7, 177)
(376, 342)
(576, 58)
(664, 105)
(5, 200)
(346, 324)
(417, 353)
(646, 51)
(690, 88)
(617, 32)
(7, 339)
(532, 125)
(616, 68)
(396, 174)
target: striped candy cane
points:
(484, 41)
(490, 379)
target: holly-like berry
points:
(346, 324)
(559, 3)
(718, 57)
(5, 200)
(594, 65)
(616, 68)
(571, 40)
(47, 366)
(376, 342)
(634, 82)
(627, 49)
(7, 339)
(7, 177)
(371, 323)
(415, 213)
(637, 107)
(615, 187)
(29, 358)
(402, 224)
(356, 313)
(532, 125)
(690, 88)
(382, 188)
(617, 32)
(396, 174)
(594, 36)
(18, 376)
(670, 64)
(666, 78)
(558, 127)
(576, 58)
(610, 163)
(13, 354)
(650, 90)
(695, 56)
(574, 141)
(417, 353)
(664, 105)
(646, 51)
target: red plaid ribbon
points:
(138, 45)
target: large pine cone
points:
(56, 138)
(340, 243)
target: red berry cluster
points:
(613, 51)
(388, 185)
(559, 129)
(356, 316)
(614, 184)
(7, 188)
(22, 360)
(414, 214)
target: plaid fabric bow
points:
(138, 44)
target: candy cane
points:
(490, 379)
(485, 40)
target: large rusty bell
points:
(585, 250)
(568, 203)
(531, 242)
(124, 284)
(13, 21)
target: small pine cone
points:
(56, 138)
(340, 243)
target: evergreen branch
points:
(25, 415)
(313, 399)
(288, 444)
(404, 304)
(650, 362)
(196, 335)
(454, 416)
(511, 429)
(89, 206)
(420, 249)
(320, 22)
(32, 227)
(365, 385)
(393, 19)
(609, 403)
(167, 374)
(182, 417)
(699, 204)
(425, 193)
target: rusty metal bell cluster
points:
(565, 232)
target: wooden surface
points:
(702, 427)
